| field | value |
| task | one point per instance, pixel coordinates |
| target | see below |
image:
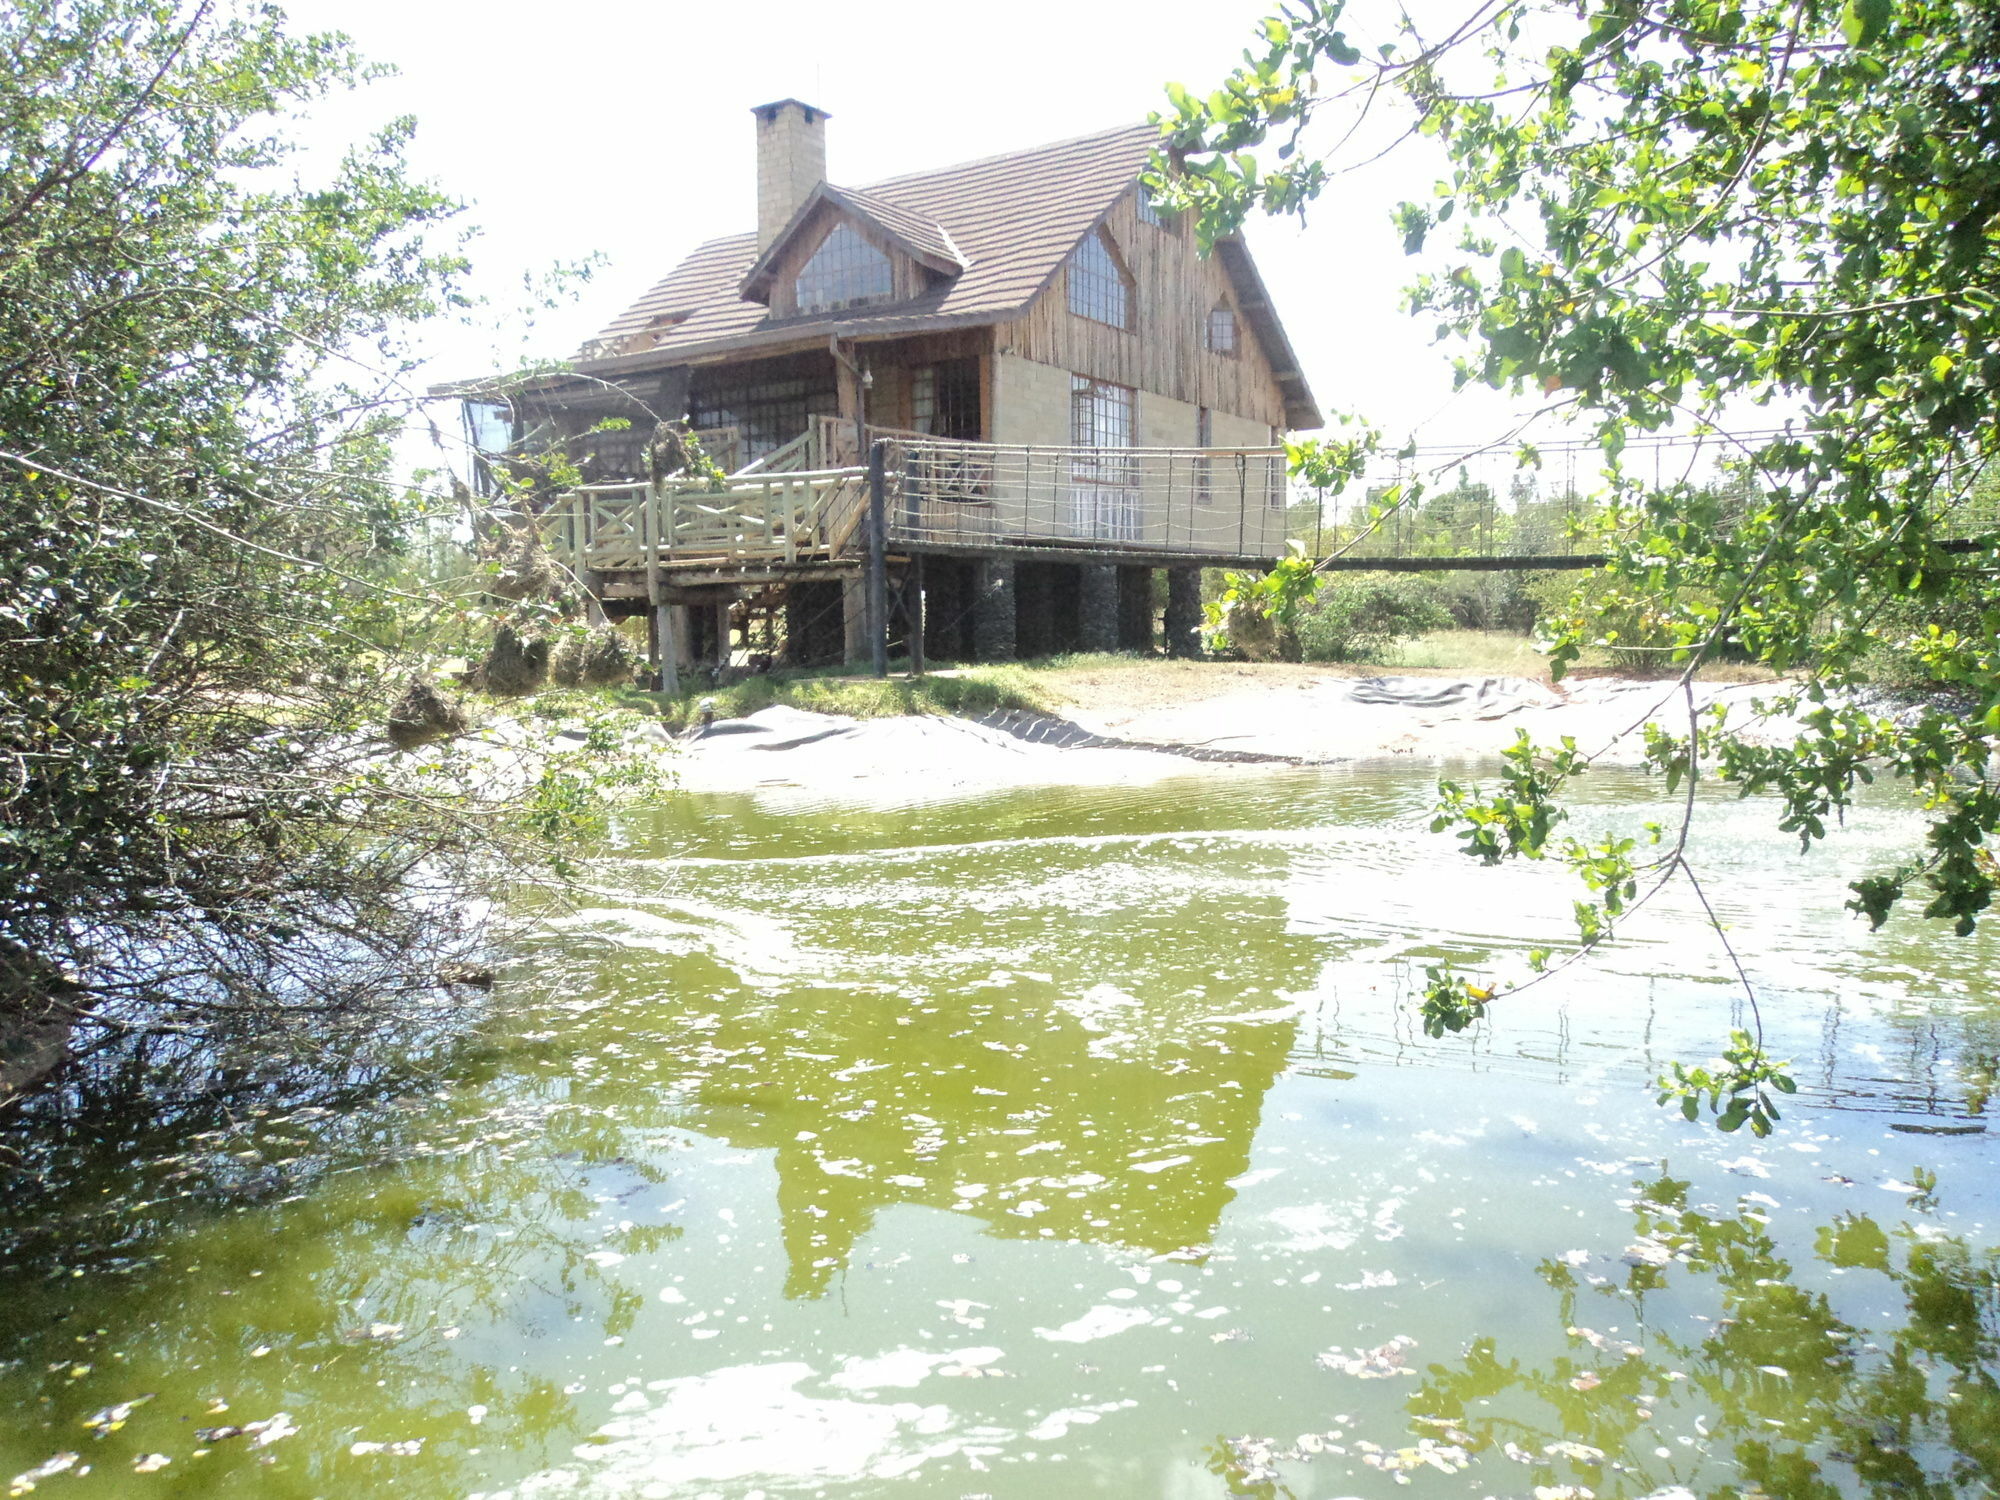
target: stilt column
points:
(1183, 620)
(854, 621)
(1097, 606)
(1135, 609)
(993, 613)
(722, 641)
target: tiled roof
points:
(931, 241)
(1010, 220)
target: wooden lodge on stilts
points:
(965, 415)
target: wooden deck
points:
(770, 520)
(754, 521)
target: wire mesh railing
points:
(1195, 502)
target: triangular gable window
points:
(1099, 289)
(846, 271)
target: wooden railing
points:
(757, 519)
(723, 445)
(827, 443)
(785, 459)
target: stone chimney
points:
(791, 162)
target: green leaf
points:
(1862, 21)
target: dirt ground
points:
(1137, 684)
(1116, 686)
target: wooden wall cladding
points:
(1173, 292)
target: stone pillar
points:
(1184, 612)
(993, 611)
(1135, 610)
(854, 621)
(1035, 627)
(1097, 606)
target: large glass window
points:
(1204, 469)
(1098, 288)
(767, 414)
(944, 399)
(1103, 499)
(1100, 413)
(846, 271)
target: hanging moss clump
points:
(423, 714)
(599, 658)
(516, 665)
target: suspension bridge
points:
(1495, 509)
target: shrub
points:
(1358, 618)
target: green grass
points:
(967, 691)
(1495, 652)
(1089, 661)
(1504, 654)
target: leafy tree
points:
(201, 366)
(1665, 212)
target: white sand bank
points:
(788, 756)
(1322, 719)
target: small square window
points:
(1220, 334)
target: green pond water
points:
(1066, 1142)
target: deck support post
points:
(993, 609)
(682, 640)
(913, 611)
(853, 620)
(667, 649)
(1183, 620)
(878, 559)
(1097, 606)
(721, 640)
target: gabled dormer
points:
(844, 249)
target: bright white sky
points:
(623, 128)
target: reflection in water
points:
(1100, 1082)
(1018, 1148)
(1876, 1377)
